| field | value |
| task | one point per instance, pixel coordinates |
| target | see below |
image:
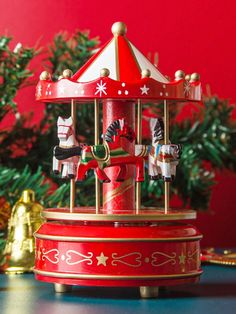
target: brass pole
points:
(72, 181)
(166, 142)
(139, 141)
(96, 142)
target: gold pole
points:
(96, 142)
(72, 181)
(139, 141)
(166, 142)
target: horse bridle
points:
(71, 132)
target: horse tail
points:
(112, 130)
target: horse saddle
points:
(99, 152)
(62, 153)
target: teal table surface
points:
(216, 293)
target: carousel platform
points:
(149, 249)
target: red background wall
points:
(196, 36)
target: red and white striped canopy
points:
(124, 61)
(118, 71)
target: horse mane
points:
(157, 130)
(118, 125)
(112, 130)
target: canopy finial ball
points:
(195, 77)
(104, 72)
(179, 75)
(119, 28)
(45, 75)
(187, 77)
(67, 73)
(146, 73)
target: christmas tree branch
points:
(14, 72)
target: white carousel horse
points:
(162, 158)
(67, 143)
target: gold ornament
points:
(195, 77)
(45, 75)
(146, 73)
(104, 72)
(187, 77)
(227, 257)
(67, 73)
(119, 28)
(19, 252)
(179, 75)
(5, 212)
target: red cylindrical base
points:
(112, 254)
(118, 196)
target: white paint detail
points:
(53, 258)
(61, 90)
(101, 88)
(67, 138)
(187, 88)
(39, 91)
(144, 64)
(144, 90)
(106, 59)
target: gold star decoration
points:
(102, 259)
(182, 258)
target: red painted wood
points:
(120, 283)
(129, 230)
(128, 66)
(76, 254)
(118, 196)
(64, 90)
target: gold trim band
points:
(111, 277)
(122, 217)
(84, 239)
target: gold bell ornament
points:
(19, 252)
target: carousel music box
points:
(118, 242)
